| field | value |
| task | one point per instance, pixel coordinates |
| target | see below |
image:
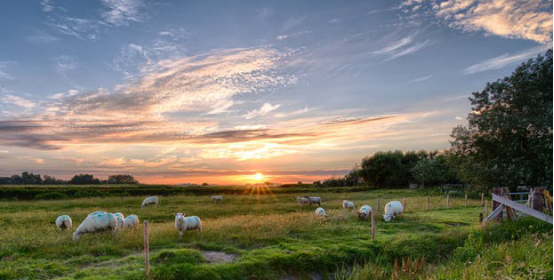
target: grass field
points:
(265, 236)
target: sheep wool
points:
(150, 200)
(347, 205)
(64, 222)
(95, 222)
(183, 223)
(392, 209)
(131, 221)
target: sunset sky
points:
(217, 91)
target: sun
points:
(259, 176)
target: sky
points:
(216, 91)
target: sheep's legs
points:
(180, 234)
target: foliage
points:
(84, 179)
(508, 140)
(122, 179)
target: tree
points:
(83, 179)
(122, 179)
(508, 139)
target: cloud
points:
(121, 12)
(47, 5)
(18, 101)
(504, 60)
(334, 21)
(80, 28)
(4, 65)
(65, 65)
(530, 20)
(420, 79)
(293, 113)
(401, 48)
(42, 37)
(292, 22)
(264, 110)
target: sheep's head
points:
(179, 216)
(76, 236)
(307, 196)
(387, 218)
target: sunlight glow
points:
(259, 176)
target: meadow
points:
(258, 234)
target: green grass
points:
(270, 233)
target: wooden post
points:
(482, 198)
(146, 250)
(465, 200)
(497, 191)
(427, 203)
(486, 208)
(481, 217)
(372, 226)
(538, 199)
(404, 204)
(448, 201)
(378, 205)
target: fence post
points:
(538, 199)
(448, 201)
(427, 203)
(465, 200)
(146, 250)
(500, 192)
(481, 217)
(404, 204)
(378, 205)
(486, 208)
(372, 226)
(482, 198)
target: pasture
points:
(251, 235)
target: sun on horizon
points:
(259, 176)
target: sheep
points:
(131, 221)
(94, 222)
(320, 212)
(347, 205)
(365, 212)
(150, 200)
(183, 223)
(64, 222)
(217, 198)
(302, 200)
(120, 219)
(392, 209)
(313, 200)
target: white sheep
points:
(183, 223)
(217, 198)
(365, 212)
(313, 200)
(320, 212)
(303, 201)
(392, 209)
(347, 205)
(94, 222)
(150, 200)
(64, 222)
(120, 219)
(131, 221)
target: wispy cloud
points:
(80, 28)
(65, 65)
(504, 60)
(420, 79)
(293, 113)
(18, 101)
(47, 5)
(121, 12)
(4, 73)
(531, 20)
(42, 37)
(402, 47)
(292, 22)
(264, 110)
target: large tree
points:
(508, 139)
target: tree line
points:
(507, 141)
(29, 178)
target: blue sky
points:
(179, 91)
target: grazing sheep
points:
(313, 200)
(365, 212)
(392, 209)
(302, 200)
(183, 223)
(150, 200)
(131, 221)
(120, 219)
(320, 212)
(347, 205)
(217, 198)
(64, 222)
(94, 222)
